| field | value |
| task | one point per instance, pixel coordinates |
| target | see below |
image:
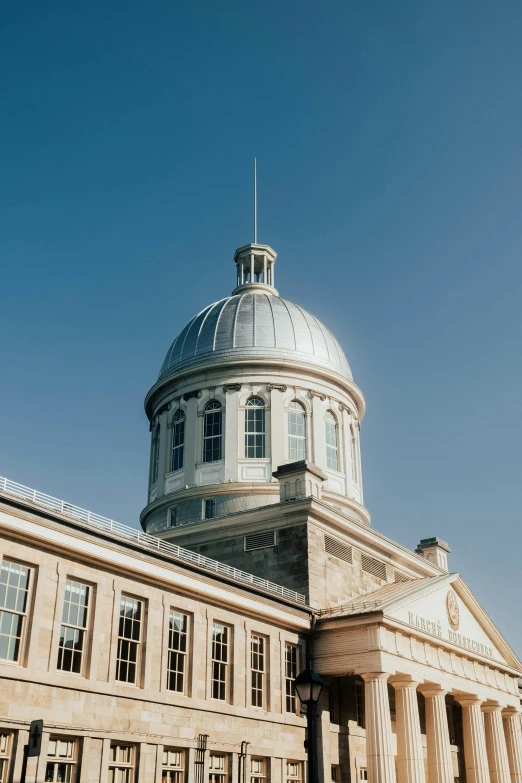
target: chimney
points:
(435, 550)
(299, 480)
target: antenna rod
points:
(255, 201)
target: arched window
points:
(212, 432)
(154, 454)
(330, 425)
(296, 432)
(255, 428)
(178, 440)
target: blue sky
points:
(388, 139)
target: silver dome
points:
(255, 325)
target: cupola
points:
(255, 268)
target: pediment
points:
(445, 608)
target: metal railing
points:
(92, 520)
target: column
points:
(410, 757)
(278, 429)
(265, 280)
(496, 744)
(513, 736)
(379, 748)
(324, 764)
(440, 765)
(252, 267)
(192, 447)
(475, 756)
(233, 445)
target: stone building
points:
(169, 654)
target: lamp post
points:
(308, 685)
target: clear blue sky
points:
(389, 142)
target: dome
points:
(255, 324)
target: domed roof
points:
(255, 325)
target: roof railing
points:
(95, 521)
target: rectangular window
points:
(257, 665)
(218, 768)
(62, 758)
(220, 661)
(122, 763)
(73, 631)
(294, 772)
(359, 704)
(363, 774)
(209, 508)
(14, 600)
(173, 766)
(173, 517)
(255, 429)
(336, 777)
(177, 655)
(129, 640)
(291, 653)
(258, 770)
(6, 747)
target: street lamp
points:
(308, 685)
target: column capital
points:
(492, 707)
(432, 690)
(400, 685)
(369, 676)
(468, 700)
(510, 712)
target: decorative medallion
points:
(452, 609)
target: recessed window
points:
(62, 759)
(330, 425)
(122, 763)
(212, 432)
(178, 440)
(173, 517)
(14, 599)
(363, 774)
(154, 454)
(177, 655)
(294, 772)
(257, 665)
(6, 747)
(73, 630)
(335, 772)
(255, 428)
(172, 766)
(209, 508)
(258, 770)
(291, 658)
(129, 640)
(220, 661)
(296, 431)
(218, 768)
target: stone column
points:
(496, 744)
(475, 756)
(410, 757)
(513, 736)
(379, 748)
(440, 765)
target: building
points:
(169, 654)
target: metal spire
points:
(255, 201)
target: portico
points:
(404, 636)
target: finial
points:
(255, 201)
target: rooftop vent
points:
(372, 566)
(338, 549)
(260, 540)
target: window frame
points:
(6, 755)
(252, 409)
(179, 421)
(116, 764)
(139, 642)
(23, 614)
(85, 630)
(170, 772)
(212, 408)
(288, 778)
(214, 774)
(183, 654)
(212, 502)
(259, 777)
(258, 676)
(330, 420)
(290, 694)
(70, 762)
(155, 454)
(295, 442)
(221, 685)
